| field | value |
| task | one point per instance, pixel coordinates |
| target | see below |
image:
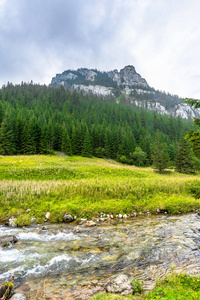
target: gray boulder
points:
(120, 284)
(18, 296)
(12, 222)
(6, 240)
(68, 218)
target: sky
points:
(160, 38)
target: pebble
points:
(47, 216)
(83, 220)
(133, 214)
(90, 223)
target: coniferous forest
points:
(36, 119)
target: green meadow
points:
(30, 186)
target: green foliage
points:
(194, 189)
(38, 119)
(194, 136)
(66, 146)
(176, 287)
(160, 154)
(139, 156)
(137, 287)
(184, 160)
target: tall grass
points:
(84, 186)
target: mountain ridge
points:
(126, 86)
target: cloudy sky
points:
(161, 38)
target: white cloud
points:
(160, 38)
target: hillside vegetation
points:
(38, 119)
(33, 185)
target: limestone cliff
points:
(125, 85)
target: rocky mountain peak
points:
(127, 77)
(125, 85)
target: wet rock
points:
(12, 222)
(18, 296)
(24, 288)
(86, 292)
(90, 223)
(68, 218)
(33, 220)
(120, 284)
(7, 240)
(83, 220)
(133, 214)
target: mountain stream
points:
(72, 261)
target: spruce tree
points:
(160, 155)
(87, 147)
(6, 138)
(66, 146)
(139, 156)
(184, 160)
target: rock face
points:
(125, 85)
(128, 77)
(120, 284)
(7, 240)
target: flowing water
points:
(67, 261)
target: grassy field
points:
(84, 187)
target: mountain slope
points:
(125, 86)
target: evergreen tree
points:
(87, 147)
(28, 143)
(66, 146)
(184, 160)
(160, 155)
(6, 138)
(139, 156)
(194, 136)
(44, 140)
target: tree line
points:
(36, 119)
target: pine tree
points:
(87, 147)
(66, 146)
(44, 140)
(28, 143)
(139, 156)
(6, 138)
(194, 136)
(160, 155)
(184, 160)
